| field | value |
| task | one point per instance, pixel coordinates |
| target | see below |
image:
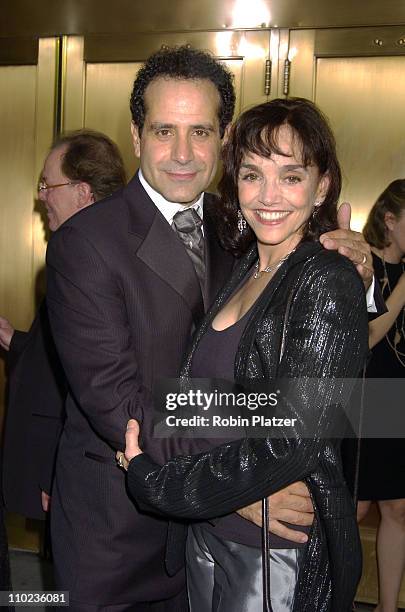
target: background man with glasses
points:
(81, 168)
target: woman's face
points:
(277, 194)
(396, 230)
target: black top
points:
(384, 363)
(215, 358)
(382, 460)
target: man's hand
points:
(351, 244)
(6, 333)
(292, 505)
(45, 501)
(131, 445)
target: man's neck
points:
(167, 208)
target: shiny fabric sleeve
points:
(326, 339)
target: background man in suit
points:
(147, 262)
(81, 168)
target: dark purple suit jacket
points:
(123, 297)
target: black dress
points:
(214, 359)
(382, 461)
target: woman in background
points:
(382, 461)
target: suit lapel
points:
(160, 249)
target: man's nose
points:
(42, 195)
(182, 150)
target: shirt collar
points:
(169, 209)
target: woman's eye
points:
(251, 176)
(292, 179)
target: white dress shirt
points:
(169, 209)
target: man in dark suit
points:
(146, 264)
(81, 168)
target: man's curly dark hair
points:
(184, 63)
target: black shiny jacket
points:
(313, 313)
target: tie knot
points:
(186, 221)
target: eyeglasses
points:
(42, 185)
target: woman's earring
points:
(312, 218)
(315, 210)
(242, 225)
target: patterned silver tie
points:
(188, 226)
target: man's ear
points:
(136, 139)
(227, 132)
(85, 195)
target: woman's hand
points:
(131, 445)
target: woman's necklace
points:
(271, 268)
(399, 327)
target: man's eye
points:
(163, 132)
(201, 133)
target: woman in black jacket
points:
(291, 312)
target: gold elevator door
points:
(26, 125)
(360, 85)
(365, 101)
(357, 78)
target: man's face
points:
(180, 143)
(60, 202)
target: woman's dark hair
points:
(93, 158)
(184, 63)
(391, 200)
(256, 131)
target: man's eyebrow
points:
(157, 126)
(165, 126)
(204, 126)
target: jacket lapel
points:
(303, 251)
(160, 249)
